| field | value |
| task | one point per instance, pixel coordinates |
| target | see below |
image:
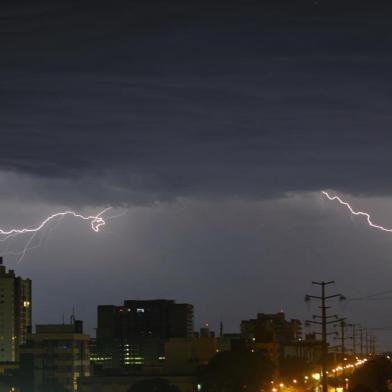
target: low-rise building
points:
(266, 328)
(185, 355)
(231, 342)
(55, 356)
(271, 333)
(309, 349)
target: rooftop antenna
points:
(72, 318)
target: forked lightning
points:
(96, 221)
(357, 213)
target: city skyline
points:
(155, 341)
(104, 311)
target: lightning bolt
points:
(357, 213)
(96, 222)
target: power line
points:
(369, 296)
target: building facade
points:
(15, 313)
(308, 349)
(186, 355)
(271, 333)
(135, 333)
(267, 328)
(55, 357)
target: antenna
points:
(72, 318)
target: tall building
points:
(55, 357)
(135, 333)
(15, 313)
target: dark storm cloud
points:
(136, 101)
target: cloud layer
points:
(140, 102)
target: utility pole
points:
(361, 340)
(324, 322)
(342, 336)
(372, 344)
(354, 326)
(367, 342)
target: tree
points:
(372, 376)
(233, 371)
(153, 385)
(362, 388)
(53, 386)
(293, 367)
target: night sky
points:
(210, 128)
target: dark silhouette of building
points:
(55, 358)
(271, 333)
(135, 333)
(268, 328)
(308, 349)
(15, 311)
